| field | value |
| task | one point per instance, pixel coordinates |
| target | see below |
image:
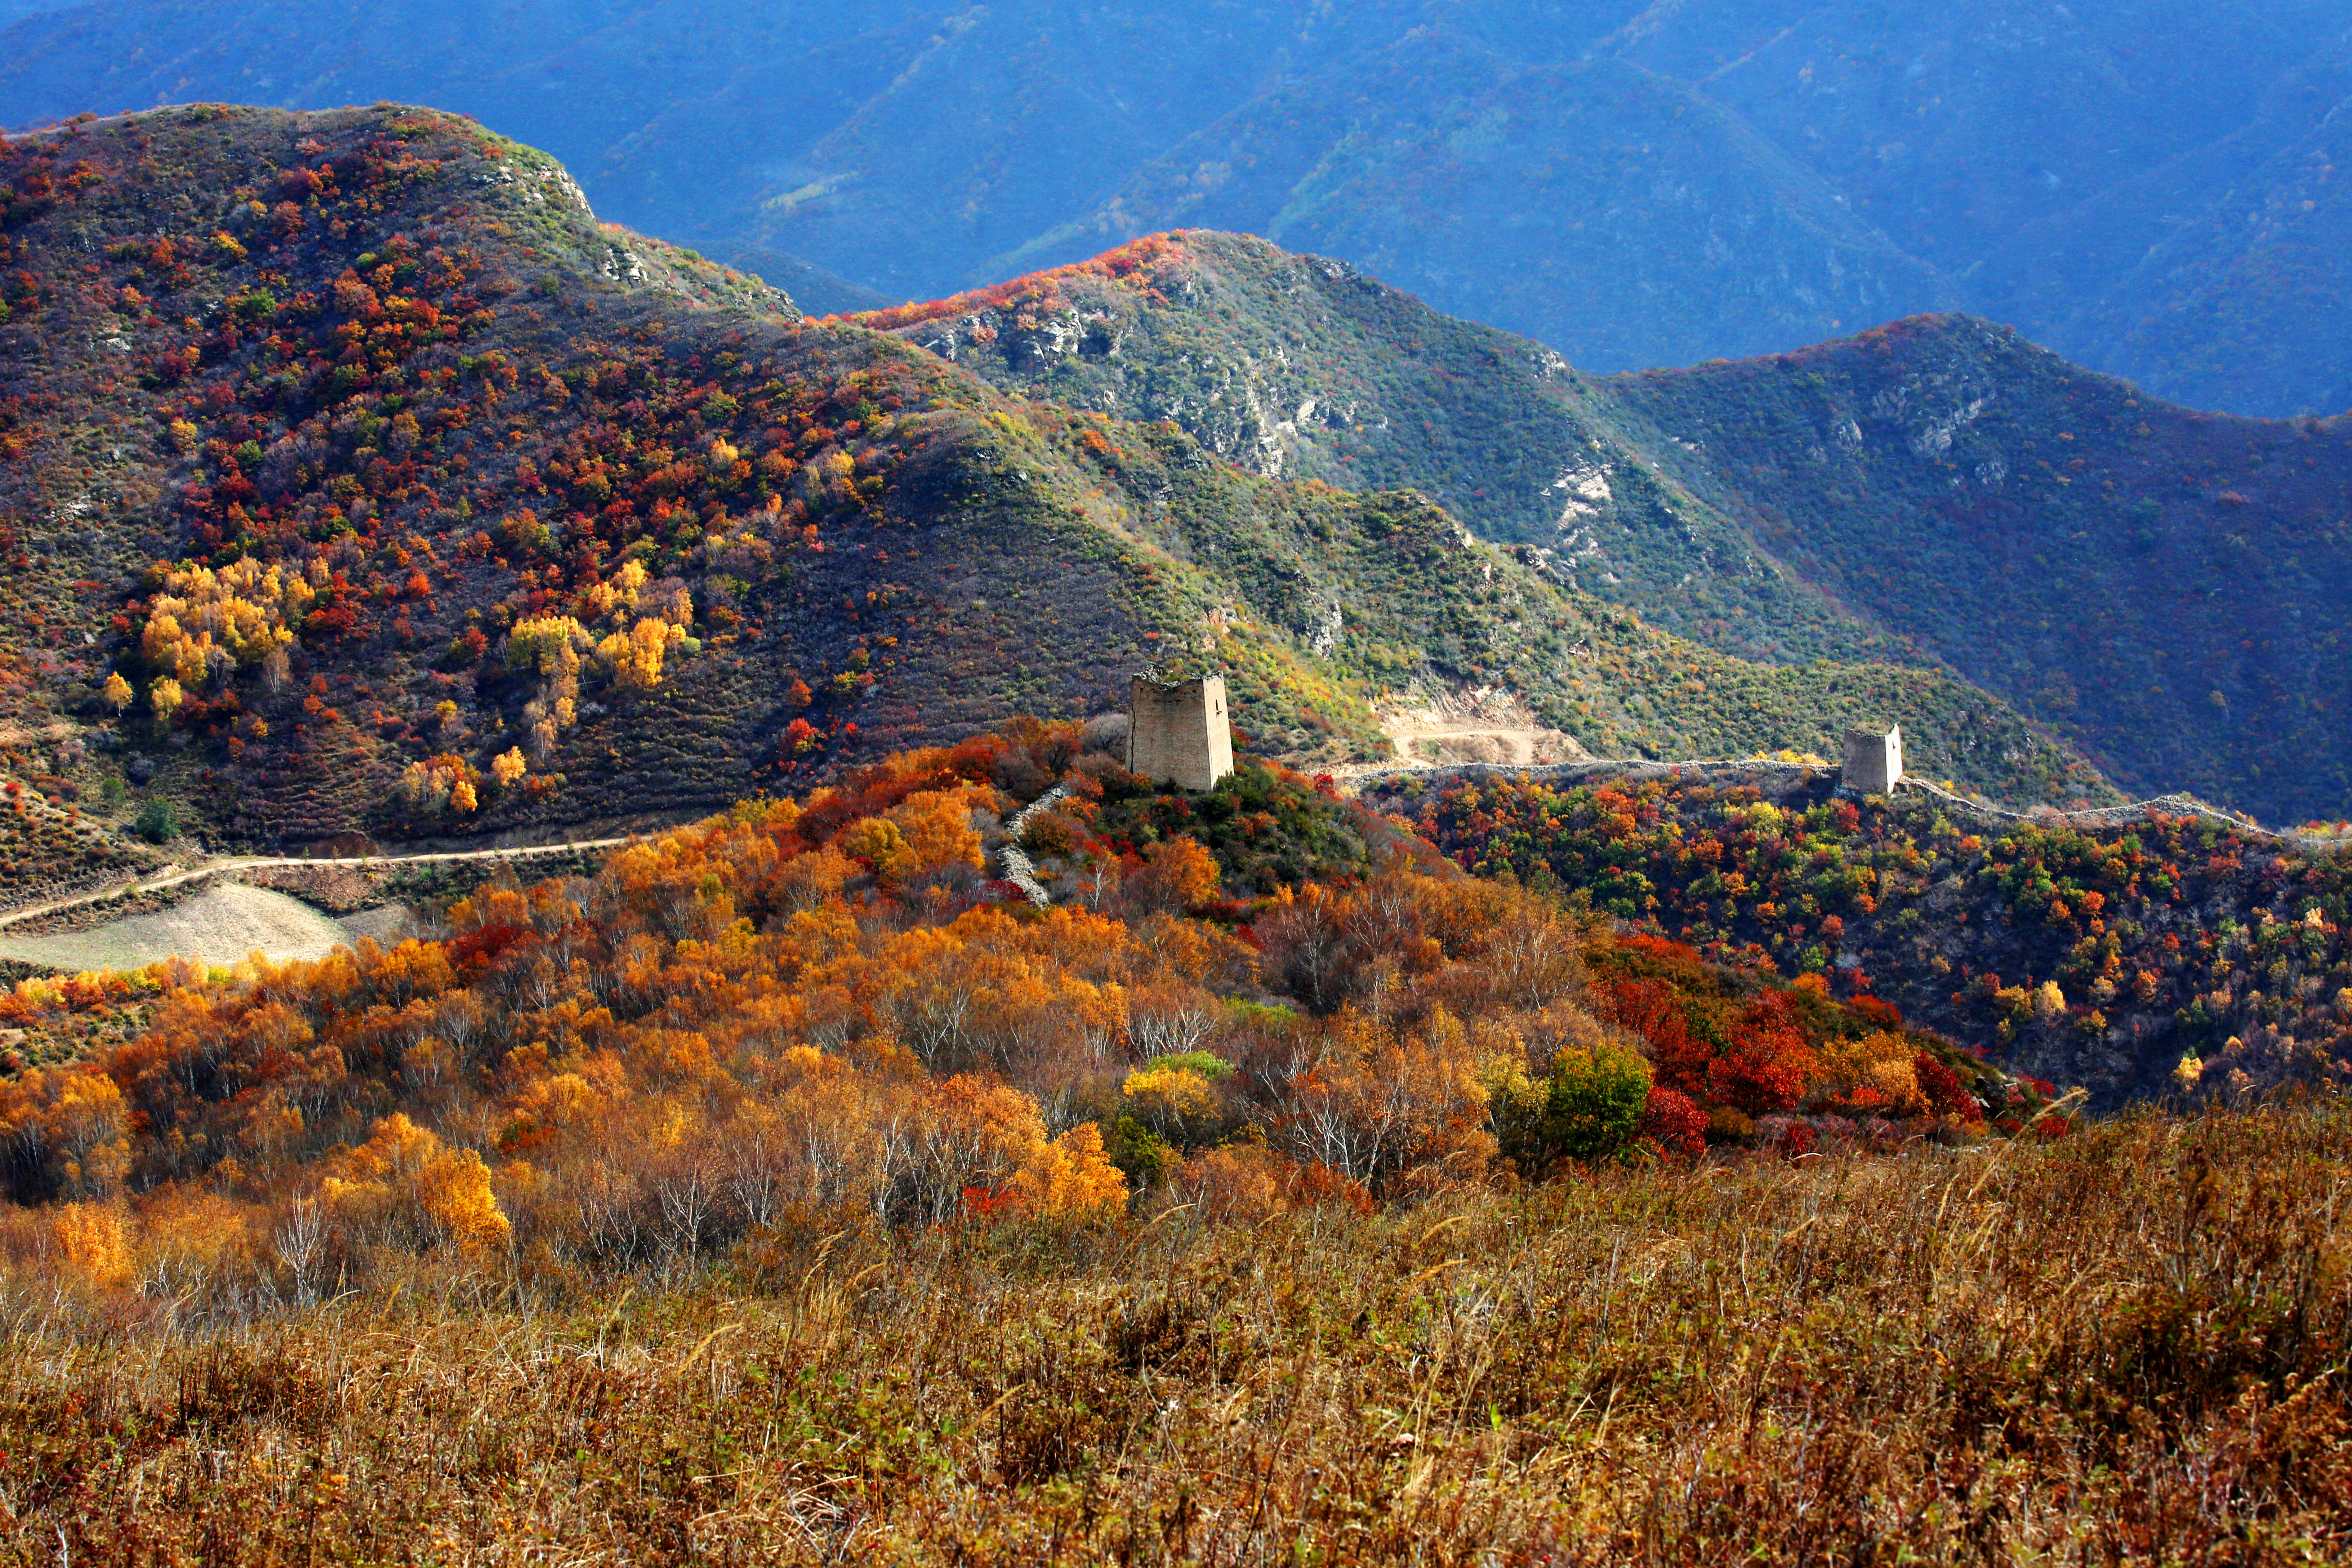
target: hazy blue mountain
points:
(2146, 186)
(1617, 215)
(813, 289)
(2125, 181)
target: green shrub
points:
(158, 822)
(1207, 1064)
(1594, 1111)
(1142, 1154)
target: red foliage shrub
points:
(1662, 949)
(1943, 1088)
(1671, 1121)
(481, 947)
(1321, 1187)
(1754, 1080)
(987, 1203)
(1766, 1067)
(1878, 1014)
(1651, 1010)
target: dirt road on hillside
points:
(229, 865)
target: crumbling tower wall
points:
(1180, 734)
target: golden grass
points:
(2125, 1346)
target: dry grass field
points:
(2125, 1345)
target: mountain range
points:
(2147, 188)
(370, 475)
(356, 477)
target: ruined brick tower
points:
(1874, 762)
(1180, 734)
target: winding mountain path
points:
(1019, 869)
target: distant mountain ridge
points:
(2150, 189)
(2161, 587)
(1299, 366)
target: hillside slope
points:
(1297, 365)
(1406, 608)
(2157, 586)
(355, 477)
(430, 490)
(2161, 586)
(2103, 957)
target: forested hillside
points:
(819, 1005)
(2160, 956)
(778, 1192)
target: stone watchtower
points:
(1180, 734)
(1874, 762)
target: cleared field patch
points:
(221, 924)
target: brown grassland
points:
(2127, 1344)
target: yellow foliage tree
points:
(1177, 874)
(1171, 1098)
(454, 1190)
(935, 827)
(1874, 1072)
(438, 784)
(205, 622)
(540, 643)
(95, 1241)
(1070, 1176)
(404, 1169)
(876, 840)
(89, 1125)
(117, 691)
(617, 596)
(73, 1124)
(635, 657)
(808, 880)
